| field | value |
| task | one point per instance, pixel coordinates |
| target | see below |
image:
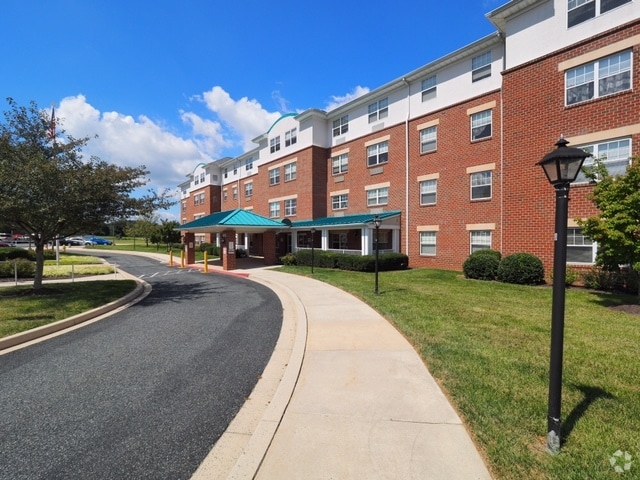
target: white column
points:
(325, 239)
(294, 241)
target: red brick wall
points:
(535, 116)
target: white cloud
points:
(337, 101)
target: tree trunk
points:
(37, 280)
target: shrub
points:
(521, 268)
(572, 276)
(11, 253)
(357, 263)
(26, 268)
(212, 249)
(482, 265)
(598, 278)
(288, 259)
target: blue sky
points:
(168, 84)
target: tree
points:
(145, 226)
(616, 228)
(48, 189)
(167, 232)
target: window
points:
(481, 125)
(481, 66)
(184, 206)
(377, 154)
(274, 209)
(340, 201)
(611, 74)
(274, 176)
(226, 172)
(290, 137)
(290, 172)
(579, 11)
(290, 207)
(340, 164)
(274, 144)
(428, 243)
(377, 196)
(480, 185)
(248, 189)
(429, 139)
(480, 240)
(428, 192)
(339, 241)
(341, 126)
(198, 199)
(248, 164)
(225, 195)
(580, 249)
(234, 193)
(235, 168)
(428, 88)
(378, 110)
(615, 155)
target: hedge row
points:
(26, 268)
(344, 261)
(520, 268)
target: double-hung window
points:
(480, 240)
(377, 154)
(481, 125)
(428, 191)
(340, 164)
(598, 79)
(248, 164)
(274, 176)
(614, 154)
(290, 172)
(481, 66)
(248, 189)
(378, 110)
(377, 196)
(234, 192)
(580, 249)
(579, 11)
(481, 185)
(429, 86)
(429, 139)
(340, 201)
(274, 209)
(274, 144)
(428, 243)
(290, 207)
(341, 126)
(290, 137)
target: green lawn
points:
(487, 344)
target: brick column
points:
(228, 254)
(269, 248)
(189, 248)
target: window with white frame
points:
(480, 240)
(340, 164)
(377, 196)
(274, 176)
(614, 154)
(235, 168)
(481, 125)
(225, 195)
(598, 79)
(274, 144)
(341, 126)
(429, 139)
(226, 172)
(290, 172)
(234, 193)
(579, 11)
(274, 209)
(248, 189)
(290, 137)
(196, 180)
(428, 190)
(378, 110)
(290, 207)
(377, 154)
(428, 86)
(481, 185)
(580, 249)
(248, 164)
(184, 206)
(428, 243)
(481, 66)
(339, 241)
(340, 201)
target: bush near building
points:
(521, 268)
(482, 265)
(344, 261)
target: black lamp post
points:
(561, 166)
(376, 223)
(313, 231)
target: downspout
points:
(504, 66)
(406, 168)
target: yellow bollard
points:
(206, 262)
(181, 259)
(171, 258)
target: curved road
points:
(144, 393)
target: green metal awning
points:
(241, 220)
(349, 221)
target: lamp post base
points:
(553, 443)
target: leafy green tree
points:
(145, 227)
(616, 228)
(48, 189)
(168, 233)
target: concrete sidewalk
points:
(344, 397)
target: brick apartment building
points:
(445, 155)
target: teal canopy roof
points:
(239, 219)
(345, 220)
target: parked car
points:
(99, 241)
(5, 244)
(73, 242)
